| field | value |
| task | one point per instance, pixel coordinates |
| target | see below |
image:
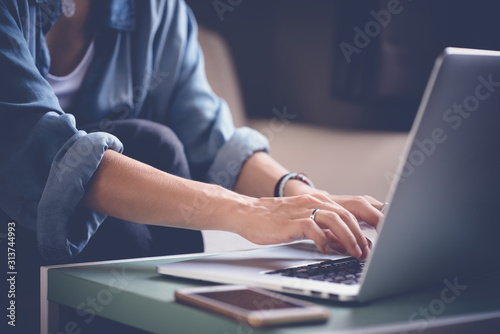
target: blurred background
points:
(288, 52)
(333, 84)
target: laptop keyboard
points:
(344, 271)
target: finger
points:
(334, 243)
(365, 208)
(352, 223)
(333, 221)
(368, 214)
(376, 203)
(340, 221)
(347, 218)
(307, 228)
(336, 246)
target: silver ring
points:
(384, 206)
(313, 214)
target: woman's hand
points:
(279, 220)
(364, 208)
(266, 220)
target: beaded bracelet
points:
(279, 189)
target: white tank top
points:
(67, 86)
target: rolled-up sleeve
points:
(71, 169)
(216, 151)
(45, 162)
(232, 155)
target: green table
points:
(132, 293)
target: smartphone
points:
(257, 307)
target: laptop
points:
(443, 222)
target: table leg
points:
(49, 311)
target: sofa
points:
(339, 161)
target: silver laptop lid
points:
(443, 223)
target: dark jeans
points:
(148, 142)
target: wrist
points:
(227, 211)
(297, 187)
(279, 188)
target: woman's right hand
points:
(286, 219)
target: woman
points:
(131, 74)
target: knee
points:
(156, 135)
(154, 144)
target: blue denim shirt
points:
(147, 64)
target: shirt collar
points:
(49, 11)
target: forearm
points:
(259, 176)
(133, 191)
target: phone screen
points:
(249, 300)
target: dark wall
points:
(289, 52)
